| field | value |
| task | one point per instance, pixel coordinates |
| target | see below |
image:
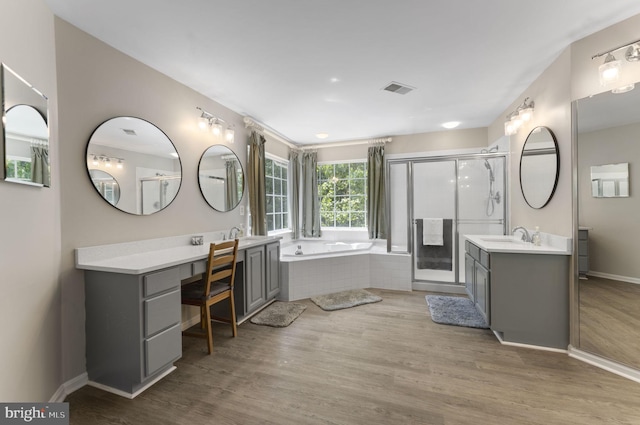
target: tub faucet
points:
(233, 233)
(525, 233)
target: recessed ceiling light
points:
(322, 135)
(334, 80)
(451, 124)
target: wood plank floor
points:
(610, 319)
(384, 363)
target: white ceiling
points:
(275, 60)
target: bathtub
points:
(321, 248)
(328, 266)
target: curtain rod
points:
(251, 123)
(342, 144)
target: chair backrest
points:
(221, 263)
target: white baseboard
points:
(439, 287)
(602, 363)
(614, 277)
(125, 394)
(529, 346)
(68, 387)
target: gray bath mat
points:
(458, 311)
(279, 314)
(345, 299)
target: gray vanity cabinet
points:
(262, 275)
(273, 270)
(530, 298)
(132, 327)
(477, 279)
(583, 252)
(255, 289)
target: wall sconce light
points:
(515, 119)
(610, 71)
(106, 161)
(215, 124)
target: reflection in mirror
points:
(221, 178)
(610, 181)
(607, 131)
(106, 185)
(539, 167)
(141, 159)
(25, 132)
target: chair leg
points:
(202, 318)
(234, 330)
(208, 329)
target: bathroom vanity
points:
(520, 289)
(133, 306)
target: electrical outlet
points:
(241, 209)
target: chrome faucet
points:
(525, 233)
(232, 234)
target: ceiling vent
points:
(399, 88)
(129, 132)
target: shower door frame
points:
(431, 285)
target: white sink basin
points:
(503, 240)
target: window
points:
(18, 168)
(277, 198)
(342, 189)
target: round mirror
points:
(221, 178)
(106, 185)
(539, 167)
(140, 159)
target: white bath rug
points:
(345, 299)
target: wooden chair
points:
(216, 285)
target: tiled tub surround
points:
(320, 274)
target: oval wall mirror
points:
(539, 167)
(140, 159)
(25, 131)
(221, 178)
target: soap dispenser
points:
(535, 238)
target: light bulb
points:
(203, 121)
(609, 70)
(107, 163)
(119, 165)
(95, 160)
(229, 133)
(216, 128)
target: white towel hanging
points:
(432, 231)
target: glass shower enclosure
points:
(434, 202)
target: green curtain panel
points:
(310, 201)
(231, 192)
(40, 165)
(256, 184)
(376, 193)
(294, 196)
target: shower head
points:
(488, 167)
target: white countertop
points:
(138, 258)
(552, 244)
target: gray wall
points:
(611, 218)
(30, 249)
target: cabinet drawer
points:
(199, 267)
(473, 251)
(162, 349)
(155, 283)
(583, 235)
(161, 312)
(484, 259)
